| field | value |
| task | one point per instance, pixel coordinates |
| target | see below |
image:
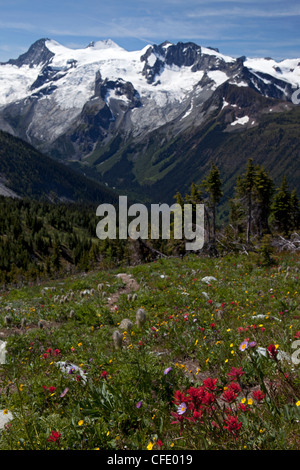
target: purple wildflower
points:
(181, 408)
(63, 394)
(243, 345)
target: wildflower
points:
(243, 345)
(208, 398)
(258, 395)
(104, 374)
(54, 437)
(166, 371)
(297, 335)
(180, 397)
(52, 389)
(80, 423)
(197, 415)
(252, 344)
(233, 425)
(63, 394)
(298, 403)
(150, 446)
(178, 420)
(139, 404)
(159, 443)
(235, 373)
(181, 408)
(235, 387)
(272, 351)
(243, 407)
(229, 396)
(210, 383)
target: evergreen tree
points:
(282, 207)
(295, 210)
(253, 198)
(55, 259)
(263, 193)
(246, 187)
(213, 184)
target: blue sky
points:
(266, 28)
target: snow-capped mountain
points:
(97, 104)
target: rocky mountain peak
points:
(37, 54)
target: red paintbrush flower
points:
(272, 351)
(232, 424)
(54, 437)
(258, 395)
(210, 383)
(235, 373)
(229, 396)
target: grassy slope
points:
(192, 327)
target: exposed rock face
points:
(37, 54)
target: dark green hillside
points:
(274, 143)
(29, 173)
(41, 240)
(157, 168)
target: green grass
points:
(193, 332)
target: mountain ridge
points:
(126, 117)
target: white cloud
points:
(241, 12)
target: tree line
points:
(41, 239)
(257, 208)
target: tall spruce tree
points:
(295, 210)
(213, 186)
(285, 208)
(263, 193)
(247, 185)
(253, 198)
